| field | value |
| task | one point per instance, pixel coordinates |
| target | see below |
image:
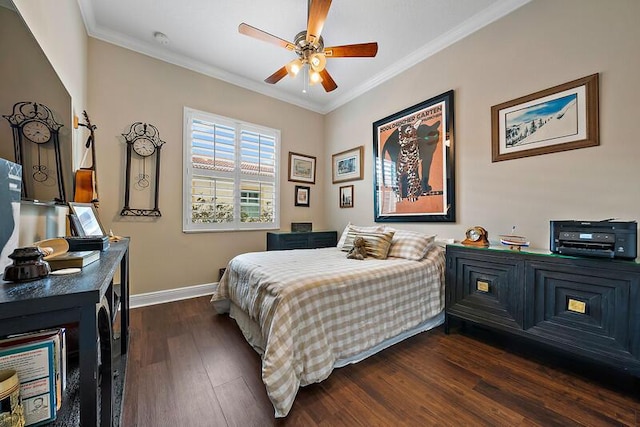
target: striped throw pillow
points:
(377, 243)
(346, 239)
(410, 245)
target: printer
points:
(608, 239)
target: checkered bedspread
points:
(315, 306)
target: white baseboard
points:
(160, 297)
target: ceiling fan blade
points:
(254, 32)
(352, 50)
(277, 76)
(327, 81)
(318, 10)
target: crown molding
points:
(471, 25)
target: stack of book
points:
(40, 360)
(72, 259)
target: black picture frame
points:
(302, 196)
(88, 222)
(406, 192)
(345, 197)
(302, 168)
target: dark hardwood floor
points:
(188, 366)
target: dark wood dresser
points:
(586, 307)
(280, 240)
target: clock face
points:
(474, 234)
(143, 147)
(37, 132)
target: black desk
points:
(87, 298)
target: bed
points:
(308, 311)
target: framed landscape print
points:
(414, 163)
(302, 168)
(561, 118)
(347, 166)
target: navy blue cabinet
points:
(588, 307)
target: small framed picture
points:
(302, 195)
(87, 219)
(346, 196)
(347, 165)
(302, 168)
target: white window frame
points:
(237, 225)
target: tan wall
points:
(126, 87)
(543, 44)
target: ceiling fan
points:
(309, 46)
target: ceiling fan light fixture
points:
(317, 61)
(314, 77)
(294, 67)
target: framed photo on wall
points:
(346, 196)
(560, 118)
(302, 196)
(414, 163)
(347, 166)
(302, 168)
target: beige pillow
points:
(377, 243)
(349, 234)
(410, 245)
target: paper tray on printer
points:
(588, 251)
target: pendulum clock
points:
(143, 167)
(35, 132)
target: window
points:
(231, 174)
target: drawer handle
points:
(577, 306)
(482, 286)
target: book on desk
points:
(73, 259)
(39, 358)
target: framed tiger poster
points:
(414, 163)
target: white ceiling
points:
(203, 36)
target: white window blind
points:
(231, 174)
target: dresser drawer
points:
(485, 288)
(590, 306)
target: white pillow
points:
(354, 229)
(410, 245)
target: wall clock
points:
(143, 168)
(35, 135)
